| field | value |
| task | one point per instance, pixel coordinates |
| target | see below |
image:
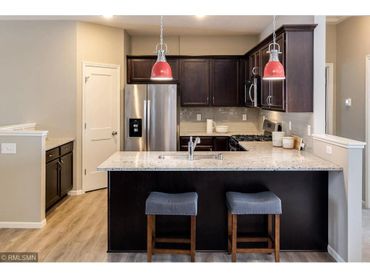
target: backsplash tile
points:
(300, 121)
(218, 114)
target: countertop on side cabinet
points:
(52, 143)
(261, 156)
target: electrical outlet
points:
(329, 149)
(290, 125)
(199, 117)
(8, 148)
(308, 130)
(244, 117)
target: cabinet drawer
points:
(67, 148)
(52, 154)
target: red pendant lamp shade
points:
(274, 70)
(161, 70)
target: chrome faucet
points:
(191, 146)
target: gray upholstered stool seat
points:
(159, 203)
(253, 203)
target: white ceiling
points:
(173, 25)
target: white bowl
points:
(222, 128)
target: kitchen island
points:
(300, 179)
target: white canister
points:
(277, 138)
(288, 142)
(210, 124)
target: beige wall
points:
(98, 44)
(331, 57)
(22, 183)
(194, 45)
(38, 75)
(353, 44)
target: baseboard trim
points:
(335, 255)
(76, 192)
(23, 225)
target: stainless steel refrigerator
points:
(150, 117)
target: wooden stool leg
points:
(193, 237)
(269, 230)
(229, 229)
(149, 237)
(153, 231)
(277, 238)
(234, 237)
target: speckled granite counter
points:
(261, 156)
(52, 143)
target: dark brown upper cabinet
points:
(195, 82)
(139, 69)
(295, 93)
(225, 82)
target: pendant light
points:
(274, 70)
(161, 70)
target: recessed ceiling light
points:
(200, 16)
(107, 16)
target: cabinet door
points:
(277, 101)
(52, 180)
(139, 70)
(66, 174)
(195, 87)
(265, 84)
(221, 143)
(225, 82)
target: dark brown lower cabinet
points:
(52, 176)
(207, 143)
(59, 174)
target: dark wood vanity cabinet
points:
(207, 143)
(59, 173)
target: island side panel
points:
(304, 195)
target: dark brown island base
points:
(299, 179)
(304, 196)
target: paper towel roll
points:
(209, 126)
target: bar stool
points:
(266, 203)
(159, 203)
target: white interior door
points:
(101, 137)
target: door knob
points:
(114, 133)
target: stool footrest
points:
(254, 250)
(171, 240)
(171, 251)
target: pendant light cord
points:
(161, 36)
(273, 30)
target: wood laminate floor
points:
(76, 231)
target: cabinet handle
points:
(62, 161)
(213, 100)
(207, 100)
(50, 155)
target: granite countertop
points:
(261, 156)
(204, 133)
(51, 143)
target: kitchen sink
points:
(217, 156)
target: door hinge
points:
(85, 172)
(85, 125)
(86, 78)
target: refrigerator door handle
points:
(145, 125)
(148, 126)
